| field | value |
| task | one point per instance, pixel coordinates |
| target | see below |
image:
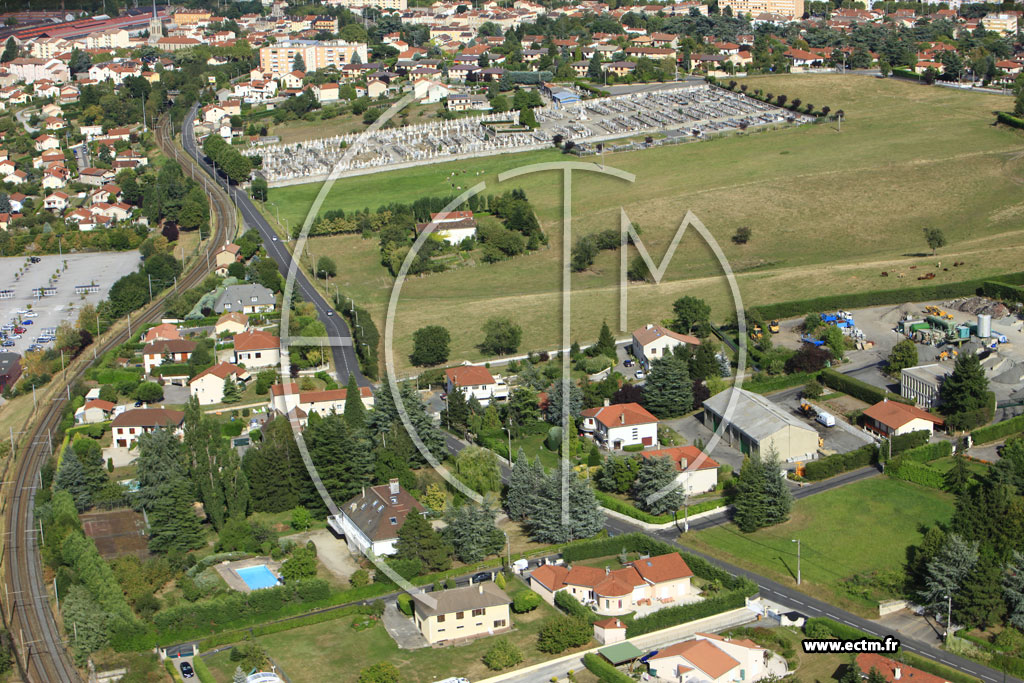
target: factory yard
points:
(37, 297)
(693, 112)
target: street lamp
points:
(797, 541)
(949, 615)
(508, 430)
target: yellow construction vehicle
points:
(807, 409)
(944, 355)
(756, 333)
(773, 327)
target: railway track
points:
(40, 650)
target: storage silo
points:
(984, 325)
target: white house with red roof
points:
(162, 351)
(644, 585)
(699, 471)
(709, 657)
(620, 425)
(370, 521)
(58, 201)
(284, 398)
(94, 411)
(257, 349)
(161, 331)
(208, 385)
(654, 341)
(892, 418)
(476, 380)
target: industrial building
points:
(921, 383)
(756, 424)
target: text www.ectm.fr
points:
(889, 644)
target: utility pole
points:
(150, 277)
(797, 541)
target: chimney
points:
(480, 588)
(607, 571)
(885, 399)
(393, 485)
(607, 402)
(897, 673)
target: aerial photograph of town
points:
(512, 341)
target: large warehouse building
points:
(757, 424)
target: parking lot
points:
(37, 297)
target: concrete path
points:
(333, 554)
(402, 629)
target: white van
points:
(826, 419)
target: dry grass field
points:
(828, 211)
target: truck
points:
(826, 419)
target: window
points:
(440, 618)
(393, 520)
(394, 500)
(459, 628)
(460, 615)
(478, 612)
(499, 623)
(258, 354)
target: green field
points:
(828, 211)
(306, 653)
(860, 530)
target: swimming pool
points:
(257, 577)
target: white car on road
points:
(29, 314)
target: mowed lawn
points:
(829, 211)
(859, 529)
(306, 653)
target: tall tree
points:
(501, 335)
(477, 468)
(949, 569)
(71, 478)
(456, 415)
(982, 593)
(966, 388)
(276, 475)
(584, 515)
(355, 411)
(668, 391)
(232, 394)
(204, 450)
(958, 476)
(430, 345)
(418, 540)
(472, 532)
(553, 413)
(654, 475)
(343, 461)
(903, 355)
(523, 487)
(1013, 590)
(173, 525)
(159, 463)
(691, 314)
(605, 341)
(935, 239)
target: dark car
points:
(35, 259)
(479, 577)
(26, 322)
(186, 670)
(138, 404)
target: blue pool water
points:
(257, 577)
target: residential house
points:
(257, 349)
(56, 202)
(710, 657)
(464, 102)
(700, 472)
(248, 299)
(231, 323)
(370, 521)
(620, 425)
(757, 424)
(476, 380)
(131, 424)
(208, 386)
(610, 630)
(654, 341)
(893, 671)
(453, 227)
(892, 418)
(166, 351)
(225, 256)
(45, 142)
(285, 398)
(161, 332)
(458, 614)
(646, 584)
(93, 411)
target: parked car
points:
(16, 336)
(138, 404)
(628, 362)
(7, 342)
(35, 259)
(186, 670)
(19, 330)
(480, 577)
(639, 374)
(31, 314)
(26, 322)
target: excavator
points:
(773, 327)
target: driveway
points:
(332, 553)
(402, 629)
(906, 623)
(691, 429)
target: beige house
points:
(231, 323)
(257, 349)
(711, 657)
(286, 397)
(458, 614)
(610, 630)
(131, 424)
(94, 410)
(208, 385)
(699, 472)
(225, 256)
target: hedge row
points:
(171, 369)
(681, 614)
(202, 671)
(793, 309)
(1002, 290)
(767, 385)
(972, 419)
(602, 668)
(910, 440)
(999, 430)
(845, 632)
(622, 507)
(928, 452)
(1009, 120)
(830, 466)
(915, 472)
(857, 388)
(574, 608)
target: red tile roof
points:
(620, 415)
(469, 375)
(662, 568)
(648, 333)
(691, 455)
(887, 667)
(895, 414)
(255, 340)
(703, 655)
(551, 576)
(611, 622)
(221, 370)
(105, 406)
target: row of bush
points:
(1002, 290)
(1009, 119)
(857, 388)
(766, 384)
(832, 465)
(881, 297)
(365, 336)
(1000, 430)
(927, 452)
(681, 614)
(623, 507)
(1001, 659)
(915, 472)
(602, 668)
(574, 608)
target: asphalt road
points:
(342, 349)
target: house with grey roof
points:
(248, 298)
(458, 614)
(756, 424)
(370, 521)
